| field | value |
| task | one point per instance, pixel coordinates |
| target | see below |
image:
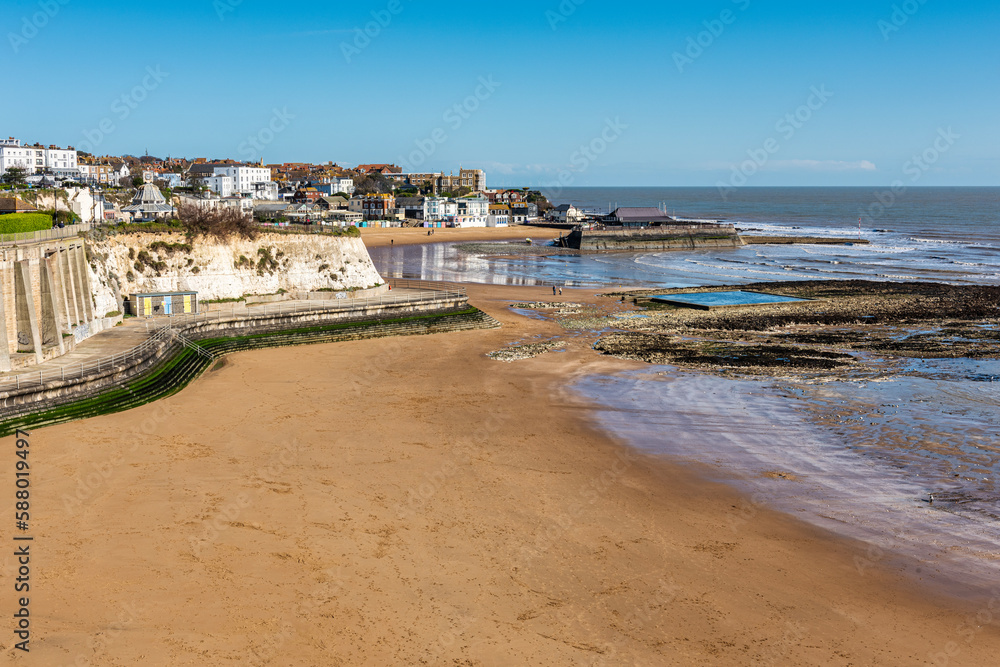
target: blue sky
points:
(587, 91)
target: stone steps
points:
(182, 365)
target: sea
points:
(906, 463)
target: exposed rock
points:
(519, 352)
(148, 262)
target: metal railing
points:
(45, 234)
(338, 301)
(163, 329)
(191, 345)
(73, 371)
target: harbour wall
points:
(667, 237)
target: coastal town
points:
(147, 188)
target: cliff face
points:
(128, 263)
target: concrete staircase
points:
(186, 359)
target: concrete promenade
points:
(134, 332)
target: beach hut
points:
(162, 304)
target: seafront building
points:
(149, 204)
(438, 182)
(36, 158)
(243, 179)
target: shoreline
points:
(488, 510)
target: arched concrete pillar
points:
(51, 332)
(84, 273)
(4, 341)
(29, 337)
(68, 267)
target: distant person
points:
(560, 291)
(553, 290)
(392, 241)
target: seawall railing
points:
(163, 329)
(45, 234)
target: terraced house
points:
(37, 158)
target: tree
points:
(220, 223)
(373, 184)
(540, 200)
(458, 192)
(138, 181)
(15, 176)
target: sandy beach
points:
(410, 501)
(377, 237)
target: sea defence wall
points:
(62, 290)
(33, 396)
(48, 302)
(666, 237)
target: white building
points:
(37, 158)
(345, 185)
(219, 184)
(565, 213)
(60, 160)
(472, 212)
(120, 170)
(499, 216)
(267, 191)
(173, 180)
(437, 209)
(242, 204)
(244, 177)
(13, 154)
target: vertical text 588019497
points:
(22, 542)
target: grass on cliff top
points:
(19, 223)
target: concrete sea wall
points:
(48, 302)
(667, 237)
(59, 292)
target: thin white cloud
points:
(823, 165)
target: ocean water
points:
(933, 234)
(863, 457)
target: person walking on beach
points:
(553, 290)
(560, 291)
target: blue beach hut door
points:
(167, 305)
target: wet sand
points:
(410, 501)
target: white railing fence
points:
(163, 329)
